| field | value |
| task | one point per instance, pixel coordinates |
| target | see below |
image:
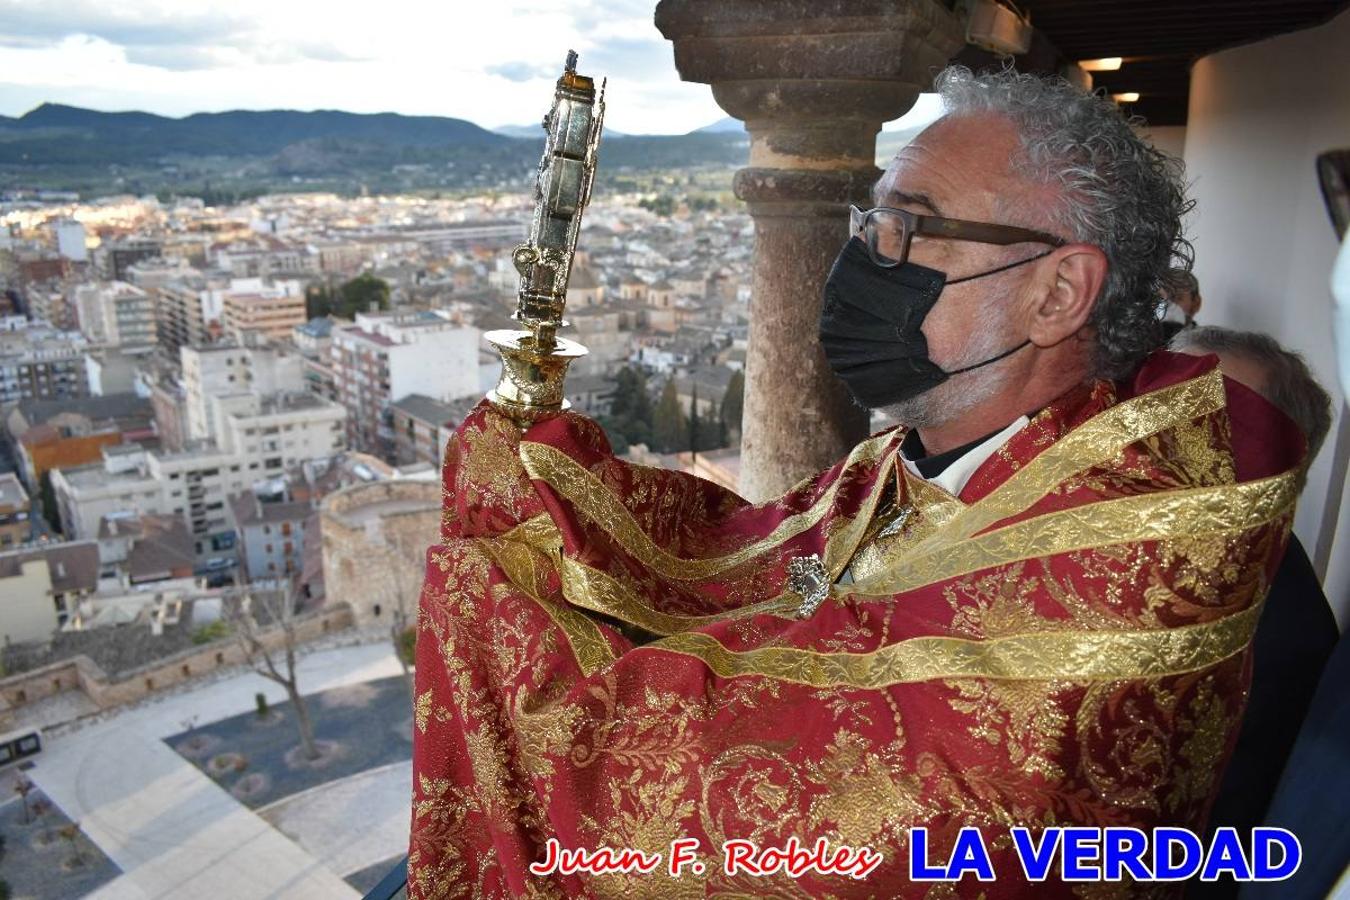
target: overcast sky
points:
(492, 62)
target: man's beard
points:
(961, 393)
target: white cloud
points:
(489, 63)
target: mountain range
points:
(248, 152)
(58, 146)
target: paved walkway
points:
(171, 829)
(353, 823)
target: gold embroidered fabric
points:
(1068, 656)
(1094, 443)
(1071, 648)
(592, 499)
(1150, 517)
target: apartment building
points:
(71, 240)
(182, 316)
(115, 257)
(314, 339)
(191, 310)
(41, 364)
(263, 256)
(383, 357)
(256, 437)
(116, 313)
(419, 425)
(234, 368)
(49, 434)
(271, 535)
(271, 317)
(279, 430)
(53, 306)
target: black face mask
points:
(870, 321)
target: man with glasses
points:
(1029, 606)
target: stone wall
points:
(82, 674)
(375, 538)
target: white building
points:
(257, 437)
(230, 369)
(115, 313)
(117, 370)
(40, 587)
(385, 356)
(152, 274)
(70, 240)
(280, 430)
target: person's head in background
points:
(1185, 295)
(1281, 376)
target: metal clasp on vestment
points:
(808, 579)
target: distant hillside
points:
(537, 131)
(520, 131)
(727, 125)
(65, 134)
(232, 153)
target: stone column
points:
(813, 80)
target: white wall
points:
(441, 364)
(1170, 139)
(1259, 116)
(28, 610)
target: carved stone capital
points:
(813, 81)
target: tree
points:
(630, 416)
(42, 808)
(733, 404)
(278, 609)
(631, 400)
(661, 204)
(71, 833)
(23, 787)
(318, 301)
(670, 428)
(364, 293)
(401, 587)
(50, 511)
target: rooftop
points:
(320, 327)
(427, 409)
(95, 475)
(249, 510)
(109, 406)
(73, 566)
(164, 544)
(357, 331)
(291, 401)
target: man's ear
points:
(1068, 284)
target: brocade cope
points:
(612, 655)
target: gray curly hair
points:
(1116, 192)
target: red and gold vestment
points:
(613, 655)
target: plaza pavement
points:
(353, 823)
(175, 833)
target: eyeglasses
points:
(888, 232)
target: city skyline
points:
(193, 56)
